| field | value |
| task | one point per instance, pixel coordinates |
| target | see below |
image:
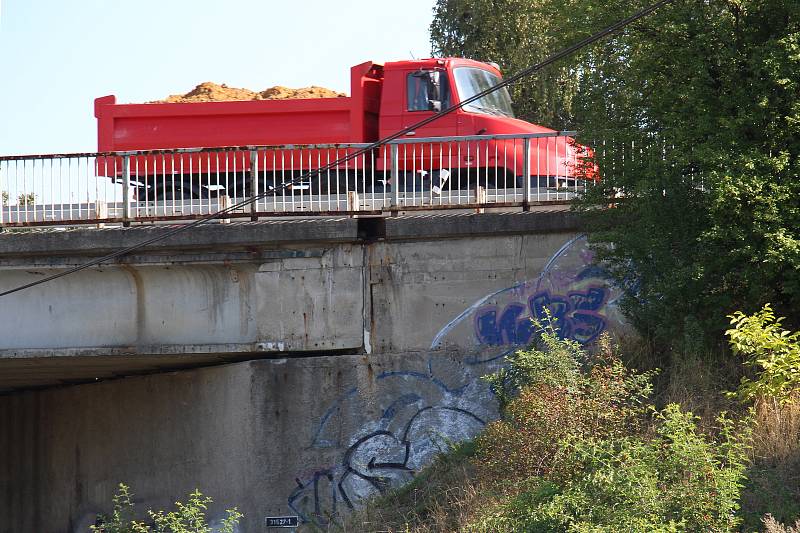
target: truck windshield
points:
(470, 81)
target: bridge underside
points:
(37, 372)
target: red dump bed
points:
(123, 127)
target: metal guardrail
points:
(166, 185)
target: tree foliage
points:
(512, 33)
(694, 113)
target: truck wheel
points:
(414, 182)
(143, 195)
(180, 191)
(534, 182)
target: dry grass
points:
(774, 486)
(773, 526)
(777, 434)
(443, 498)
(696, 381)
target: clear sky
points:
(56, 56)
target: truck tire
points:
(540, 182)
(158, 189)
(179, 191)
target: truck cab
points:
(414, 90)
(418, 89)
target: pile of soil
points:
(285, 93)
(212, 92)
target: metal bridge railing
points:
(182, 184)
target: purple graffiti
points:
(577, 316)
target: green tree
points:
(694, 113)
(513, 34)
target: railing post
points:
(480, 198)
(526, 173)
(395, 175)
(224, 203)
(126, 191)
(100, 212)
(352, 201)
(254, 185)
(4, 199)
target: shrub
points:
(771, 351)
(576, 451)
(188, 517)
(557, 400)
(555, 362)
(678, 480)
(772, 355)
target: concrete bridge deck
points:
(222, 293)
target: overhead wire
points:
(613, 28)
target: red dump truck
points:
(383, 100)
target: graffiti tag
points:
(576, 316)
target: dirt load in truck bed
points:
(212, 92)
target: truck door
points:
(428, 91)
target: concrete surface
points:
(359, 352)
(301, 436)
(224, 292)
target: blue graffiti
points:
(423, 408)
(509, 328)
(576, 315)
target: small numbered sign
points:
(281, 521)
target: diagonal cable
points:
(613, 28)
